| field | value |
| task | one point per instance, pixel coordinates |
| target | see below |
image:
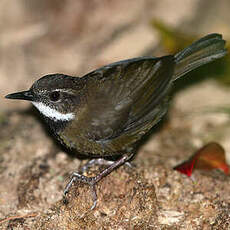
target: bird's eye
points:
(54, 96)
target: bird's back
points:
(123, 101)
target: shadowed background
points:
(75, 37)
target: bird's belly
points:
(88, 147)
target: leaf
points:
(185, 168)
(211, 156)
(172, 39)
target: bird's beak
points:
(24, 95)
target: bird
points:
(106, 112)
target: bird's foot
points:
(91, 181)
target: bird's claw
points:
(91, 181)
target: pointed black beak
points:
(24, 95)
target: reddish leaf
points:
(186, 167)
(211, 156)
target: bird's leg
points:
(99, 161)
(96, 161)
(91, 181)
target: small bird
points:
(107, 111)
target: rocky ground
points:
(74, 37)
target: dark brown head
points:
(56, 96)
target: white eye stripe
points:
(52, 113)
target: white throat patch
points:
(52, 113)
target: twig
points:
(18, 217)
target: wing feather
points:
(121, 96)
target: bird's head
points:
(56, 96)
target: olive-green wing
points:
(121, 94)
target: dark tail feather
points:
(205, 50)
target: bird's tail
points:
(205, 50)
